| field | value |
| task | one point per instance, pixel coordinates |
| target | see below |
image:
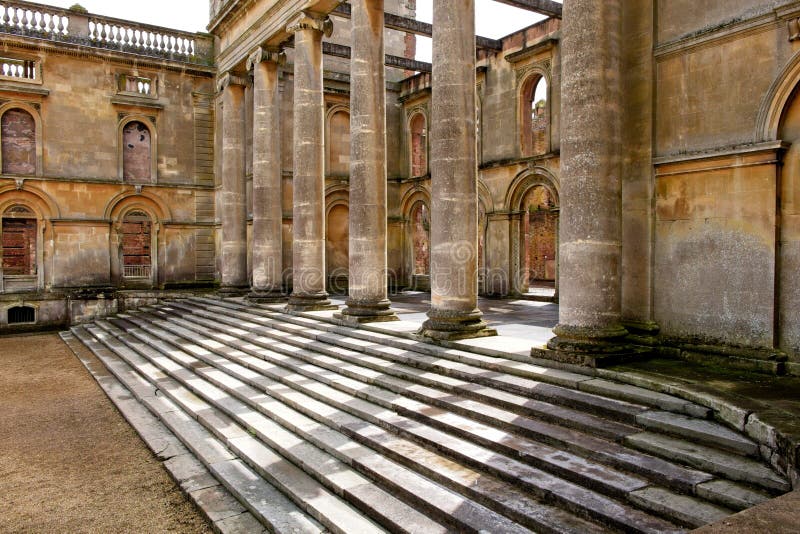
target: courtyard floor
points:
(69, 462)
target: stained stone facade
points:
(639, 155)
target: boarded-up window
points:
(19, 242)
(339, 144)
(18, 132)
(419, 146)
(136, 153)
(136, 245)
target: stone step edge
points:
(591, 385)
(152, 320)
(224, 442)
(663, 511)
(152, 432)
(224, 388)
(778, 448)
(599, 405)
(433, 349)
(226, 411)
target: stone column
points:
(454, 176)
(308, 225)
(233, 209)
(590, 221)
(267, 283)
(367, 298)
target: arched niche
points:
(21, 145)
(36, 209)
(137, 140)
(136, 243)
(337, 141)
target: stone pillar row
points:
(454, 224)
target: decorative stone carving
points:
(308, 21)
(230, 78)
(794, 29)
(261, 54)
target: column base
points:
(233, 291)
(312, 302)
(366, 312)
(258, 296)
(452, 326)
(589, 346)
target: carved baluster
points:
(6, 18)
(29, 20)
(150, 40)
(62, 27)
(15, 20)
(49, 22)
(103, 34)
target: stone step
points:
(700, 430)
(732, 495)
(261, 499)
(605, 452)
(463, 513)
(465, 451)
(609, 453)
(712, 460)
(606, 407)
(324, 487)
(625, 392)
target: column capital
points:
(263, 54)
(310, 21)
(230, 78)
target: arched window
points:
(419, 145)
(535, 117)
(18, 133)
(337, 248)
(136, 245)
(19, 242)
(420, 232)
(339, 144)
(136, 153)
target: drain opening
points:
(21, 315)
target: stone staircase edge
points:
(736, 417)
(144, 423)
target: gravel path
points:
(69, 462)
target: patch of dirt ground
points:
(69, 462)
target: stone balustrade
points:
(52, 23)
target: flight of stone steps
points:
(318, 427)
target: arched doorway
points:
(337, 248)
(788, 250)
(534, 205)
(136, 241)
(19, 249)
(420, 231)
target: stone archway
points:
(534, 205)
(788, 250)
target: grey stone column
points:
(233, 209)
(590, 221)
(367, 298)
(267, 283)
(454, 176)
(308, 225)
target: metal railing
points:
(136, 271)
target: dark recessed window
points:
(21, 315)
